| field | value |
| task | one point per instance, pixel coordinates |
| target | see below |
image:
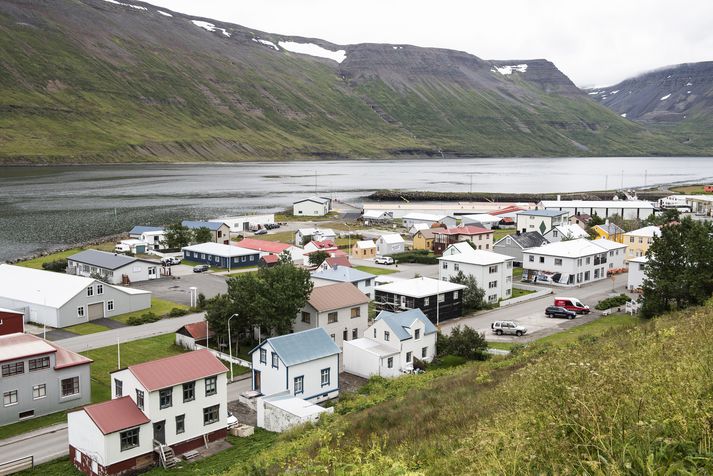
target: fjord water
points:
(48, 207)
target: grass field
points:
(517, 292)
(36, 263)
(517, 273)
(281, 236)
(375, 270)
(86, 328)
(498, 234)
(691, 190)
(160, 307)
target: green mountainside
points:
(97, 81)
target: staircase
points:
(166, 455)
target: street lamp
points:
(230, 347)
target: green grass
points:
(196, 263)
(237, 369)
(160, 307)
(21, 427)
(691, 190)
(86, 328)
(36, 263)
(499, 234)
(287, 216)
(596, 328)
(502, 345)
(281, 236)
(517, 292)
(230, 275)
(517, 272)
(375, 270)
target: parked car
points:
(508, 327)
(261, 231)
(170, 260)
(384, 260)
(559, 311)
(201, 268)
(572, 304)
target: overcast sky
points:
(594, 43)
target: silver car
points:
(507, 327)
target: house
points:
(220, 232)
(221, 256)
(701, 204)
(305, 235)
(416, 227)
(513, 245)
(158, 409)
(581, 220)
(439, 300)
(483, 220)
(638, 241)
(196, 333)
(341, 309)
(565, 231)
(482, 238)
(139, 230)
(153, 236)
(323, 245)
(268, 261)
(376, 216)
(364, 249)
(304, 364)
(131, 245)
(111, 267)
(390, 345)
(39, 377)
(243, 223)
(11, 321)
(423, 239)
(455, 248)
(389, 244)
(627, 209)
(572, 262)
(492, 271)
(609, 231)
(271, 248)
(342, 274)
(637, 273)
(334, 262)
(429, 219)
(311, 207)
(61, 300)
(539, 220)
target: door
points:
(256, 376)
(152, 272)
(96, 311)
(159, 431)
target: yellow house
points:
(638, 241)
(423, 239)
(364, 249)
(609, 231)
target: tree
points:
(679, 271)
(465, 342)
(177, 236)
(595, 220)
(473, 296)
(669, 215)
(317, 257)
(202, 235)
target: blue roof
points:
(211, 225)
(343, 274)
(137, 230)
(400, 321)
(542, 213)
(302, 346)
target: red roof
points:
(323, 244)
(182, 368)
(507, 220)
(66, 358)
(116, 415)
(270, 259)
(338, 254)
(262, 245)
(197, 330)
(339, 261)
(508, 209)
(20, 346)
(463, 230)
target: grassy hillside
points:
(635, 401)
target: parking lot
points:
(175, 288)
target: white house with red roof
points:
(267, 248)
(173, 405)
(194, 333)
(482, 238)
(40, 377)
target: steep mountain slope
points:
(100, 81)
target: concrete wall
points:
(273, 418)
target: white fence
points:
(226, 357)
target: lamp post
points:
(230, 347)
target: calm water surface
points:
(49, 207)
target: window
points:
(165, 397)
(426, 301)
(455, 294)
(276, 360)
(355, 333)
(210, 414)
(356, 312)
(9, 398)
(456, 267)
(555, 233)
(589, 259)
(324, 374)
(39, 363)
(180, 424)
(542, 259)
(70, 386)
(100, 289)
(558, 261)
(631, 239)
(306, 317)
(332, 318)
(445, 265)
(118, 388)
(90, 291)
(299, 384)
(493, 269)
(374, 332)
(140, 399)
(532, 258)
(579, 262)
(345, 334)
(441, 297)
(334, 337)
(129, 439)
(508, 279)
(390, 362)
(110, 305)
(26, 414)
(211, 386)
(189, 391)
(263, 356)
(386, 336)
(80, 311)
(492, 284)
(417, 334)
(408, 356)
(424, 352)
(39, 391)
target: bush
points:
(143, 319)
(415, 256)
(201, 301)
(58, 265)
(466, 342)
(615, 301)
(177, 312)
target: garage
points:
(96, 311)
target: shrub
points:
(143, 319)
(177, 312)
(201, 301)
(415, 256)
(58, 265)
(466, 342)
(447, 361)
(615, 301)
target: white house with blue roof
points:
(344, 274)
(153, 236)
(390, 346)
(304, 364)
(219, 230)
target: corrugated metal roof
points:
(530, 239)
(18, 346)
(219, 249)
(542, 213)
(463, 230)
(197, 330)
(178, 369)
(263, 245)
(336, 261)
(116, 415)
(419, 287)
(211, 225)
(336, 296)
(343, 274)
(477, 257)
(40, 287)
(303, 346)
(320, 200)
(102, 259)
(391, 238)
(400, 322)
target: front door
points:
(159, 431)
(256, 374)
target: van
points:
(572, 304)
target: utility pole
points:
(646, 176)
(622, 179)
(471, 183)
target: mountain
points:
(676, 99)
(110, 81)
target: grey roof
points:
(302, 346)
(343, 274)
(531, 239)
(321, 200)
(611, 228)
(542, 213)
(211, 225)
(398, 322)
(138, 229)
(102, 259)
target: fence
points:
(19, 464)
(226, 357)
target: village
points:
(321, 299)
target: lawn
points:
(498, 234)
(160, 307)
(20, 427)
(37, 262)
(517, 272)
(374, 270)
(281, 236)
(690, 190)
(517, 292)
(86, 328)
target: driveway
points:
(176, 288)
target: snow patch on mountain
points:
(137, 7)
(313, 50)
(666, 97)
(506, 70)
(623, 115)
(166, 14)
(209, 26)
(266, 43)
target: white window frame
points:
(110, 306)
(39, 391)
